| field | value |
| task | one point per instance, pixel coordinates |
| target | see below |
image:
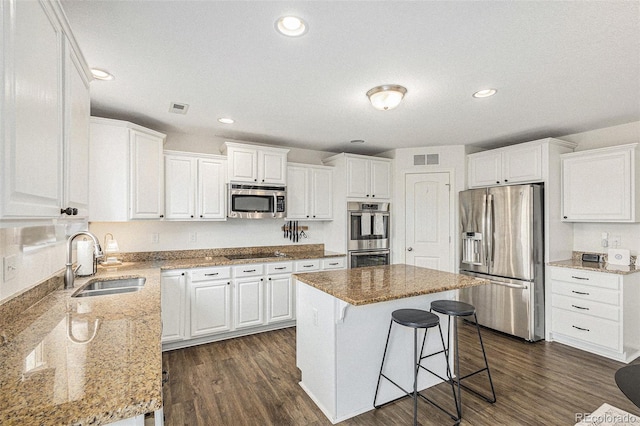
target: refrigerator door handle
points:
(489, 230)
(516, 286)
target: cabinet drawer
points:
(587, 307)
(208, 274)
(248, 270)
(307, 265)
(584, 327)
(586, 292)
(578, 276)
(333, 263)
(279, 268)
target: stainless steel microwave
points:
(256, 201)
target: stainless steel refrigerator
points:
(503, 241)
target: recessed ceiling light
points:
(357, 141)
(291, 26)
(101, 74)
(225, 120)
(484, 93)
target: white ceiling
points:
(559, 67)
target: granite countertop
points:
(373, 284)
(594, 266)
(80, 361)
(54, 370)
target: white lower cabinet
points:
(203, 305)
(596, 312)
(173, 286)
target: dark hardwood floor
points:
(253, 380)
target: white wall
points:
(452, 159)
(587, 236)
(137, 236)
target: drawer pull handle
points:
(579, 278)
(580, 292)
(580, 328)
(249, 270)
(279, 269)
(579, 307)
(307, 266)
(333, 264)
(211, 275)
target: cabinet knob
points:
(313, 216)
(497, 181)
(262, 180)
(409, 248)
(182, 274)
(373, 195)
(201, 216)
(367, 195)
(161, 215)
(307, 215)
(269, 279)
(255, 180)
(192, 216)
(564, 217)
(506, 180)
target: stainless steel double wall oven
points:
(368, 239)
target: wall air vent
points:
(177, 108)
(419, 160)
(433, 158)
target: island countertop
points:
(373, 284)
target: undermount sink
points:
(110, 286)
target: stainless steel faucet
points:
(70, 273)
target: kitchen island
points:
(342, 324)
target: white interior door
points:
(428, 220)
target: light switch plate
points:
(10, 268)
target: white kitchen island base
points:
(339, 349)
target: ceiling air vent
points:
(177, 108)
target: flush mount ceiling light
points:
(291, 26)
(387, 96)
(101, 74)
(485, 93)
(225, 120)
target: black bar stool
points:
(454, 309)
(417, 319)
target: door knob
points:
(409, 248)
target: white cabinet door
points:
(280, 298)
(297, 192)
(147, 176)
(321, 194)
(522, 164)
(173, 306)
(357, 177)
(598, 186)
(180, 178)
(249, 302)
(32, 164)
(485, 169)
(272, 167)
(210, 307)
(211, 189)
(76, 134)
(380, 172)
(243, 164)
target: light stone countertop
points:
(596, 267)
(373, 284)
(53, 373)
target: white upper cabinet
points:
(366, 177)
(309, 193)
(600, 185)
(44, 95)
(505, 166)
(126, 176)
(256, 164)
(194, 186)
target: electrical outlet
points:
(10, 267)
(155, 238)
(193, 237)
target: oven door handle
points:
(352, 213)
(365, 253)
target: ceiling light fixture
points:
(387, 96)
(291, 26)
(101, 74)
(225, 120)
(485, 93)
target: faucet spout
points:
(69, 273)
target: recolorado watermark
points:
(607, 418)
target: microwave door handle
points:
(275, 205)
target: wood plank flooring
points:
(253, 380)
